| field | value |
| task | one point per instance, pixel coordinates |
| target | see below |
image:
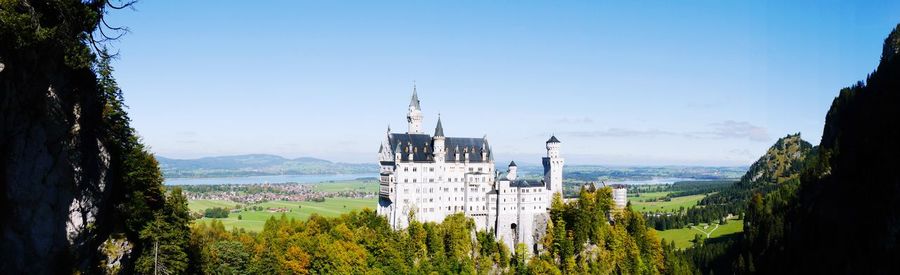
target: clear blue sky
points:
(632, 83)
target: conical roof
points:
(414, 101)
(439, 130)
(553, 139)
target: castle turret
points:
(440, 153)
(511, 172)
(414, 117)
(553, 165)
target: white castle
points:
(432, 176)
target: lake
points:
(266, 179)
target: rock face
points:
(53, 165)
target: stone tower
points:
(414, 117)
(553, 165)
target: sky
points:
(711, 83)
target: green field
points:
(644, 196)
(200, 205)
(639, 203)
(370, 186)
(684, 236)
(254, 220)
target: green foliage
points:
(582, 239)
(169, 235)
(216, 212)
(357, 242)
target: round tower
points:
(553, 165)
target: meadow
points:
(640, 203)
(369, 186)
(683, 237)
(301, 210)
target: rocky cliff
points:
(55, 174)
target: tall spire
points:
(414, 102)
(439, 130)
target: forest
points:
(581, 239)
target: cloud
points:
(575, 120)
(620, 132)
(728, 129)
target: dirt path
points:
(704, 232)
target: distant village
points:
(263, 192)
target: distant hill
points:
(782, 161)
(257, 165)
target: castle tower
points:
(553, 165)
(414, 117)
(511, 172)
(440, 153)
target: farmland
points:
(252, 220)
(641, 204)
(684, 236)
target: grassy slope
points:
(684, 236)
(351, 185)
(643, 196)
(254, 220)
(200, 205)
(638, 203)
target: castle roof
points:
(422, 148)
(526, 183)
(553, 139)
(439, 130)
(512, 163)
(414, 101)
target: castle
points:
(432, 176)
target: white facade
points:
(620, 196)
(432, 176)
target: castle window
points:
(405, 169)
(414, 169)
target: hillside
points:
(257, 165)
(782, 161)
(841, 215)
